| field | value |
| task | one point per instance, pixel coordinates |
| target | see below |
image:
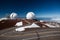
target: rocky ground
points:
(8, 32)
(30, 34)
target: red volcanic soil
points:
(8, 23)
(41, 24)
(11, 23)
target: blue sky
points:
(42, 8)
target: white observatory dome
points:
(13, 15)
(30, 15)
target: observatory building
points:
(30, 15)
(13, 15)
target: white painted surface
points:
(20, 29)
(19, 24)
(51, 26)
(30, 26)
(41, 21)
(3, 19)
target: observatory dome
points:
(13, 15)
(30, 15)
